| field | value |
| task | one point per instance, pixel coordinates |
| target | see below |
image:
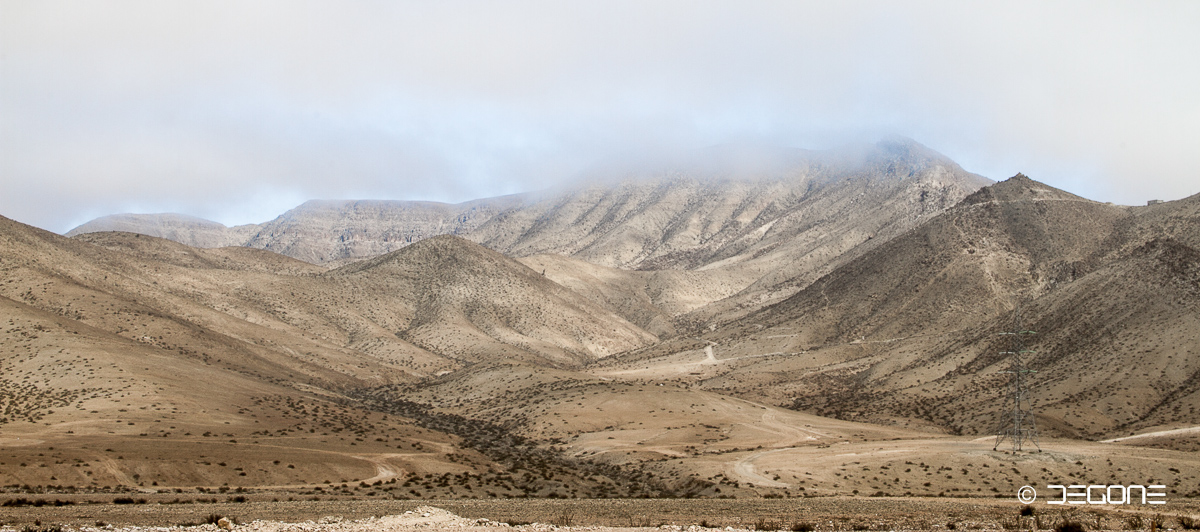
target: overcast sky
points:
(237, 111)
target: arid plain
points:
(818, 329)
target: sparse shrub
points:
(641, 521)
(1134, 522)
(564, 518)
(803, 526)
(38, 503)
(1027, 510)
(1157, 522)
(1189, 523)
(1070, 526)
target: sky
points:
(238, 111)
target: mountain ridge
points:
(333, 231)
(906, 332)
(760, 223)
(710, 381)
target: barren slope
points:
(762, 222)
(164, 353)
(182, 228)
(652, 299)
(908, 332)
(472, 303)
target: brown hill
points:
(125, 372)
(161, 353)
(445, 357)
(190, 230)
(761, 222)
(719, 205)
(907, 332)
(325, 232)
(345, 324)
(472, 303)
(652, 299)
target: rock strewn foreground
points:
(424, 518)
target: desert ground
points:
(834, 513)
(795, 367)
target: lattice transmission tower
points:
(1018, 424)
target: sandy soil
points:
(676, 515)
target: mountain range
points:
(633, 335)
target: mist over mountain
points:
(680, 327)
(722, 203)
(757, 223)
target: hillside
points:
(549, 375)
(649, 298)
(162, 353)
(118, 374)
(728, 203)
(761, 222)
(907, 333)
(198, 368)
(190, 230)
(471, 303)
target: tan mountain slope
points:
(102, 387)
(652, 299)
(190, 230)
(323, 232)
(718, 205)
(87, 409)
(164, 353)
(807, 234)
(908, 332)
(764, 222)
(249, 320)
(472, 303)
(217, 258)
(1015, 238)
(902, 334)
(342, 326)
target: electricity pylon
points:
(1019, 425)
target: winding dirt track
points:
(1171, 432)
(790, 437)
(383, 470)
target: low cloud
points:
(237, 111)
